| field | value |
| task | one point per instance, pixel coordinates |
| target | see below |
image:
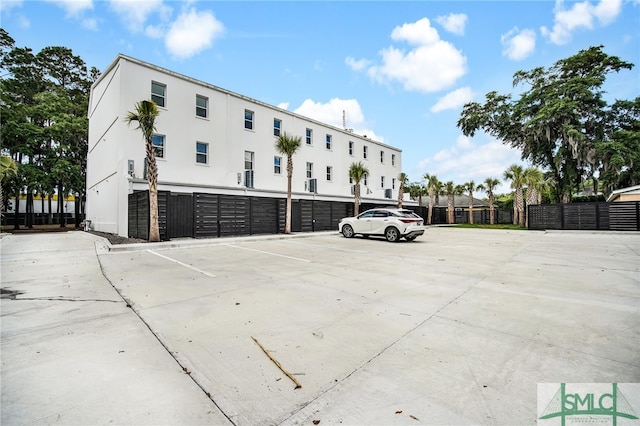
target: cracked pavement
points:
(457, 327)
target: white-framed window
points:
(351, 144)
(248, 169)
(365, 152)
(393, 183)
(382, 157)
(328, 139)
(309, 170)
(202, 106)
(381, 181)
(393, 160)
(159, 93)
(202, 153)
(277, 124)
(248, 119)
(158, 145)
(309, 137)
(329, 172)
(277, 165)
(365, 180)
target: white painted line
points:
(327, 247)
(182, 264)
(270, 253)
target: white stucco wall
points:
(112, 143)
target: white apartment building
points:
(211, 140)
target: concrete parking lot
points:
(457, 327)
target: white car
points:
(391, 223)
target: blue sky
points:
(401, 71)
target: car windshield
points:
(368, 213)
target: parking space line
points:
(182, 264)
(270, 253)
(327, 247)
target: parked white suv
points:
(391, 223)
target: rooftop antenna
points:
(344, 122)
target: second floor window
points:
(309, 170)
(202, 152)
(381, 181)
(328, 140)
(276, 127)
(248, 119)
(329, 172)
(158, 93)
(277, 162)
(158, 145)
(393, 183)
(309, 137)
(202, 106)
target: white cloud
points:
(90, 24)
(518, 45)
(7, 5)
(453, 100)
(356, 65)
(581, 15)
(467, 160)
(135, 13)
(73, 7)
(192, 32)
(431, 66)
(331, 113)
(454, 22)
(283, 105)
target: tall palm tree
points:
(288, 145)
(145, 114)
(357, 172)
(470, 187)
(515, 174)
(403, 179)
(534, 180)
(432, 188)
(489, 186)
(451, 190)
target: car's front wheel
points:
(347, 231)
(392, 234)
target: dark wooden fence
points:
(623, 216)
(201, 215)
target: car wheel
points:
(392, 234)
(410, 238)
(347, 231)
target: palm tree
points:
(534, 180)
(470, 187)
(8, 167)
(489, 186)
(515, 174)
(357, 172)
(432, 188)
(145, 114)
(403, 179)
(451, 190)
(288, 145)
